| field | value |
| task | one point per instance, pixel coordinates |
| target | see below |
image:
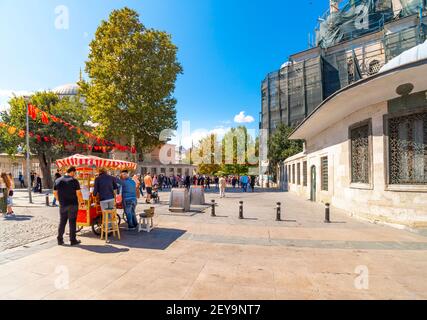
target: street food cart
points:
(90, 215)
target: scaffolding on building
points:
(292, 93)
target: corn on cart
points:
(87, 169)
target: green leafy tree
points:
(236, 153)
(239, 152)
(206, 155)
(280, 147)
(68, 109)
(132, 73)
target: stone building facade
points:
(366, 148)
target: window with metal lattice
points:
(360, 153)
(408, 149)
(324, 173)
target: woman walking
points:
(7, 187)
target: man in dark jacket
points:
(39, 184)
(106, 188)
(67, 192)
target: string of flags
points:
(48, 139)
(103, 144)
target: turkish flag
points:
(32, 111)
(45, 118)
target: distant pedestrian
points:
(253, 181)
(222, 186)
(7, 195)
(21, 180)
(188, 182)
(244, 180)
(4, 194)
(11, 193)
(38, 183)
(56, 177)
(32, 177)
(67, 192)
(148, 181)
(234, 182)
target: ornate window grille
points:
(408, 149)
(324, 173)
(304, 173)
(299, 174)
(360, 154)
(374, 67)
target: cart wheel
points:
(96, 226)
(119, 219)
(79, 229)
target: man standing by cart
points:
(67, 192)
(106, 187)
(129, 196)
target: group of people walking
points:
(35, 181)
(107, 188)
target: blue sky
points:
(225, 47)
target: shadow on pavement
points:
(18, 218)
(107, 249)
(158, 239)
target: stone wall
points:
(375, 202)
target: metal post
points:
(279, 212)
(28, 156)
(241, 210)
(327, 213)
(47, 200)
(213, 208)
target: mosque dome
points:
(67, 90)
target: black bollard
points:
(213, 209)
(241, 210)
(47, 200)
(327, 213)
(279, 212)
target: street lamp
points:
(30, 197)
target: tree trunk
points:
(45, 167)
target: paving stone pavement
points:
(196, 256)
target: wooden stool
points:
(146, 221)
(110, 223)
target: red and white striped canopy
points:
(79, 160)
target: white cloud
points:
(6, 95)
(11, 93)
(242, 118)
(193, 139)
